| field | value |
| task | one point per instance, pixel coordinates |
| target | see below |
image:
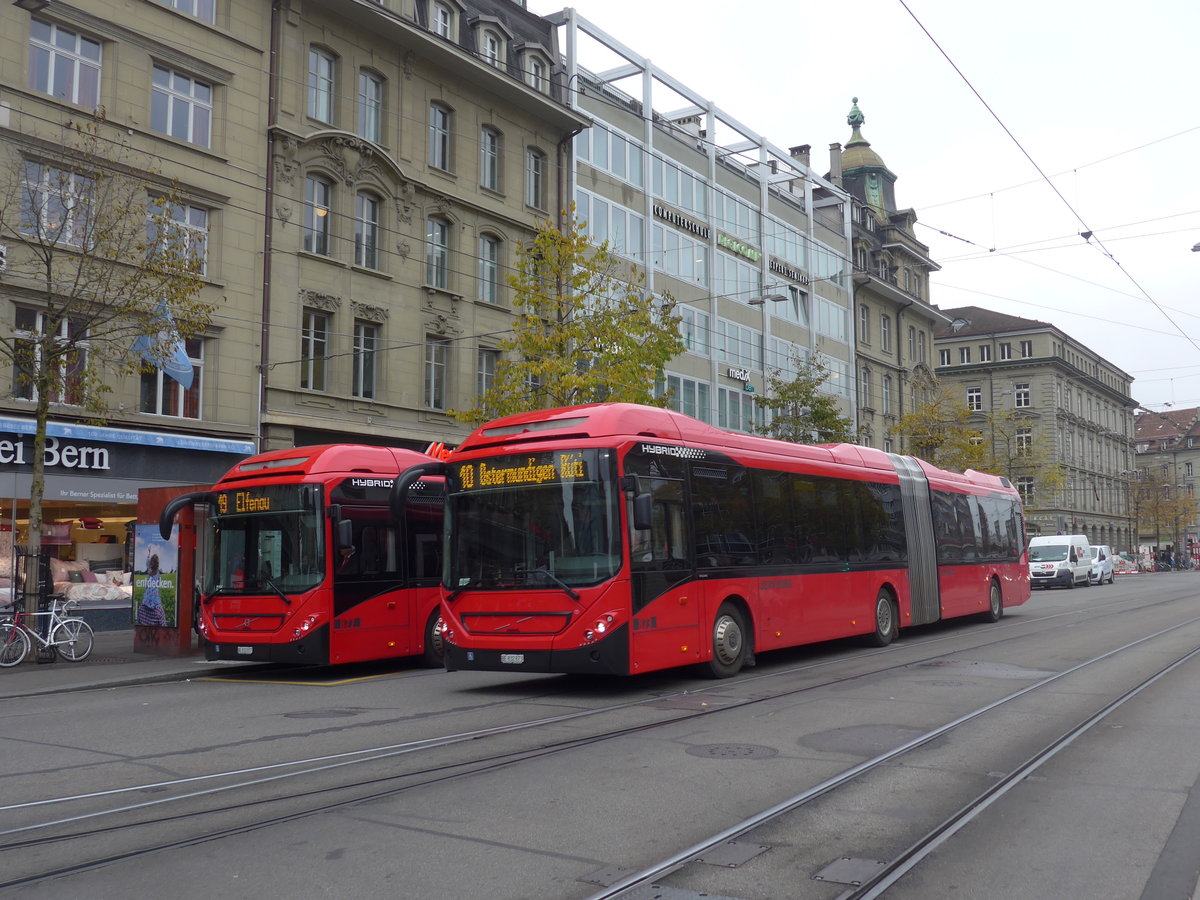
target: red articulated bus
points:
(617, 538)
(302, 560)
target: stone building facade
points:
(1062, 392)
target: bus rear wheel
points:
(432, 657)
(886, 620)
(728, 642)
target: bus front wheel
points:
(728, 642)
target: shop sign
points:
(791, 274)
(57, 454)
(738, 374)
(738, 247)
(679, 221)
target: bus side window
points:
(664, 542)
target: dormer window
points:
(536, 72)
(441, 19)
(491, 40)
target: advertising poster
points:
(155, 576)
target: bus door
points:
(665, 599)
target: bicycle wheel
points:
(73, 639)
(14, 644)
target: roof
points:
(1166, 425)
(985, 321)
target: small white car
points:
(1102, 564)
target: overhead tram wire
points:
(1088, 234)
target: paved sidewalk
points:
(111, 663)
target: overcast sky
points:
(1094, 126)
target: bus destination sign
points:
(542, 468)
(272, 498)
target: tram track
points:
(31, 835)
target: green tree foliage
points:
(585, 330)
(800, 411)
(96, 261)
(939, 429)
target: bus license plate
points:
(245, 651)
(512, 659)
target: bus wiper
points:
(550, 576)
(273, 586)
(454, 594)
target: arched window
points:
(535, 178)
(366, 230)
(439, 136)
(318, 197)
(489, 268)
(437, 254)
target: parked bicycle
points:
(71, 637)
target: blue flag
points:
(176, 364)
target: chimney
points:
(800, 154)
(835, 164)
(689, 125)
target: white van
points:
(1102, 564)
(1062, 560)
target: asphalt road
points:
(413, 783)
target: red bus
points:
(616, 538)
(301, 560)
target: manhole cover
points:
(732, 751)
(322, 714)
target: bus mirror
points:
(345, 534)
(643, 512)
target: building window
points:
(1026, 349)
(366, 230)
(921, 346)
(1024, 440)
(320, 85)
(885, 333)
(64, 64)
(318, 193)
(437, 256)
(535, 73)
(886, 395)
(1025, 489)
(67, 377)
(489, 269)
(912, 343)
(370, 106)
(162, 395)
(437, 350)
(314, 348)
(439, 136)
(974, 399)
(181, 106)
(489, 48)
(864, 389)
(864, 324)
(985, 353)
(205, 10)
(1006, 351)
(181, 231)
(485, 374)
(489, 159)
(1021, 395)
(366, 345)
(442, 20)
(56, 205)
(964, 355)
(535, 178)
(944, 357)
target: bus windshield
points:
(266, 540)
(538, 519)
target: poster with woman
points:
(156, 573)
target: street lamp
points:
(31, 6)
